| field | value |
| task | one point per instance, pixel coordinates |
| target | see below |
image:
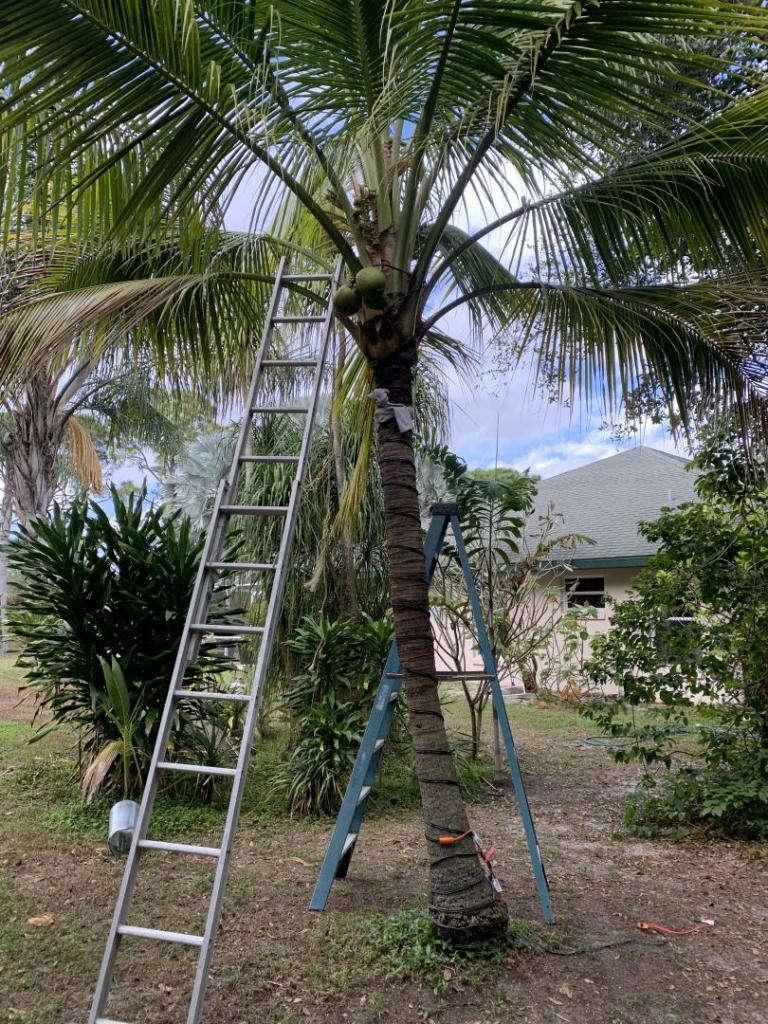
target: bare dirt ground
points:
(277, 962)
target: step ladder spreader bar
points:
(196, 629)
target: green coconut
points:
(372, 283)
(347, 301)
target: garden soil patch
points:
(277, 962)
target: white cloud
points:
(515, 427)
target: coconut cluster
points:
(369, 286)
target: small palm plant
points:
(128, 750)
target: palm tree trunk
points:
(6, 519)
(462, 904)
(33, 443)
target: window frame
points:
(586, 606)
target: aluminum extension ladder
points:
(366, 767)
(196, 628)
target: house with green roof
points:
(604, 502)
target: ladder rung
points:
(217, 630)
(307, 277)
(365, 792)
(289, 362)
(378, 745)
(198, 769)
(349, 842)
(254, 510)
(182, 938)
(279, 410)
(248, 566)
(242, 698)
(269, 458)
(109, 1020)
(200, 851)
(298, 319)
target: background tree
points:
(381, 135)
(702, 600)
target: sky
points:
(507, 425)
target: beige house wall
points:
(547, 605)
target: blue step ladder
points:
(350, 817)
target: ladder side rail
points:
(433, 544)
(262, 665)
(261, 355)
(376, 729)
(375, 753)
(489, 663)
(150, 788)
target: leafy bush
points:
(693, 638)
(100, 608)
(329, 701)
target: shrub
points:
(100, 607)
(693, 639)
(329, 701)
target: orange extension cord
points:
(649, 926)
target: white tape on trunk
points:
(386, 410)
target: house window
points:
(585, 592)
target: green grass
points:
(14, 737)
(39, 779)
(404, 946)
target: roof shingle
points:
(605, 501)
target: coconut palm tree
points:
(379, 130)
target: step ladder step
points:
(195, 769)
(298, 319)
(289, 362)
(278, 410)
(181, 938)
(199, 851)
(308, 277)
(393, 697)
(109, 1020)
(216, 630)
(378, 745)
(349, 842)
(239, 698)
(245, 566)
(292, 459)
(365, 792)
(254, 510)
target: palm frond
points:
(83, 457)
(707, 339)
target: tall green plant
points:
(101, 602)
(128, 751)
(328, 703)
